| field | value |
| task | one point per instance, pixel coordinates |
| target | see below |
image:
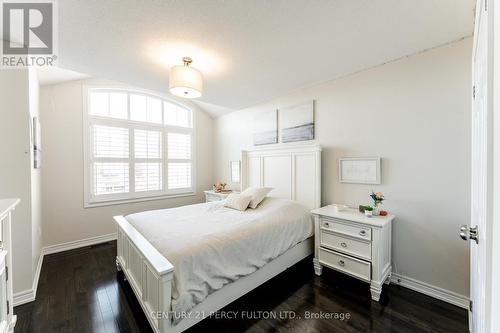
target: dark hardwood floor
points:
(79, 291)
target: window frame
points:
(90, 200)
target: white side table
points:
(354, 244)
(215, 196)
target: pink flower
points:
(379, 195)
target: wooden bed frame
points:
(294, 172)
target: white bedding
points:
(210, 245)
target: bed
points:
(185, 263)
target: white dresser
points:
(354, 244)
(215, 196)
(7, 318)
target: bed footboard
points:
(149, 274)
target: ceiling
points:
(250, 51)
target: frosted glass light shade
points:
(185, 81)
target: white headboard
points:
(294, 172)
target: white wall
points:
(64, 218)
(17, 177)
(415, 114)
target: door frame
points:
(493, 296)
(492, 226)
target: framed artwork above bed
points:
(297, 122)
(265, 130)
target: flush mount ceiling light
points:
(185, 81)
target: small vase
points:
(376, 209)
(368, 213)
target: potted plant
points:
(378, 198)
(368, 211)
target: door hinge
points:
(474, 92)
(470, 305)
(7, 273)
(8, 307)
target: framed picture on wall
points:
(297, 122)
(265, 130)
(360, 170)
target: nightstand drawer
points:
(346, 229)
(352, 266)
(211, 197)
(359, 248)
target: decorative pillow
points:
(257, 193)
(237, 201)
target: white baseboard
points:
(23, 297)
(78, 243)
(430, 290)
(29, 295)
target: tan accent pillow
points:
(257, 193)
(237, 201)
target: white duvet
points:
(210, 245)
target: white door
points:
(475, 232)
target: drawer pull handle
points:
(341, 263)
(362, 233)
(343, 244)
(326, 224)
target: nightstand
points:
(214, 196)
(356, 245)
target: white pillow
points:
(257, 193)
(237, 201)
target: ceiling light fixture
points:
(185, 81)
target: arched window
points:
(138, 146)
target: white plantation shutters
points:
(179, 175)
(110, 148)
(110, 141)
(147, 144)
(148, 177)
(139, 146)
(179, 146)
(111, 178)
(148, 151)
(179, 160)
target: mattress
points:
(211, 246)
